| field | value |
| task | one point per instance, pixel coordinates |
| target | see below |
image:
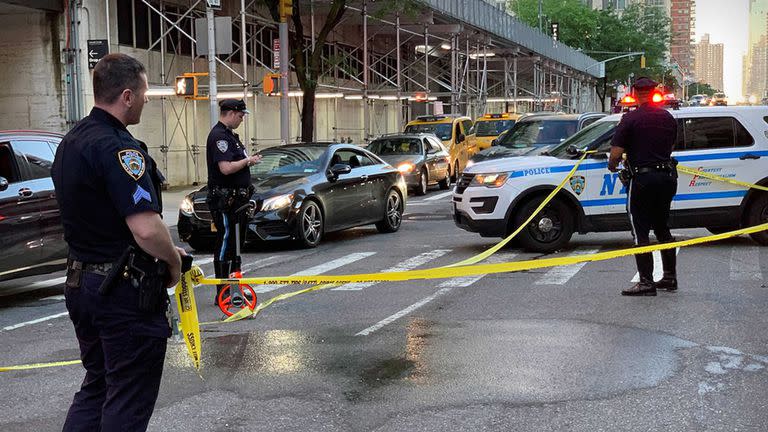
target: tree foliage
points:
(701, 88)
(603, 34)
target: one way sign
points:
(97, 49)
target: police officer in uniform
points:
(121, 257)
(229, 185)
(647, 135)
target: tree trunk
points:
(308, 113)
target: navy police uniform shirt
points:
(647, 135)
(102, 175)
(225, 145)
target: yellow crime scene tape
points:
(190, 326)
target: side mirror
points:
(572, 150)
(3, 184)
(460, 138)
(340, 169)
(494, 142)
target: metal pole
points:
(399, 83)
(164, 127)
(285, 124)
(514, 82)
(106, 7)
(426, 68)
(454, 76)
(244, 59)
(541, 15)
(506, 84)
(366, 106)
(212, 92)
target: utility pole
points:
(541, 15)
(212, 92)
(286, 10)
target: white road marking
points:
(55, 297)
(745, 263)
(561, 274)
(203, 261)
(262, 263)
(658, 270)
(409, 264)
(35, 321)
(439, 196)
(403, 312)
(465, 281)
(320, 269)
(48, 283)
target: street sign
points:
(275, 54)
(555, 27)
(97, 49)
(214, 4)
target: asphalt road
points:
(544, 350)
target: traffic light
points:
(271, 84)
(555, 27)
(186, 86)
(285, 8)
(642, 62)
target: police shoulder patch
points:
(222, 145)
(132, 162)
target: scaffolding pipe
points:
(163, 113)
(400, 122)
(366, 105)
(212, 92)
(244, 59)
(426, 67)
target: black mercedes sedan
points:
(420, 157)
(303, 191)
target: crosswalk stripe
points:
(409, 264)
(320, 269)
(438, 196)
(465, 281)
(745, 263)
(658, 270)
(561, 275)
(203, 261)
(264, 262)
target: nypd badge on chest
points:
(132, 162)
(222, 145)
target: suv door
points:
(19, 213)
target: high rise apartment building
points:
(708, 62)
(756, 61)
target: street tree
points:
(701, 88)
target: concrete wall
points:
(30, 70)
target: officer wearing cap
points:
(647, 135)
(121, 257)
(229, 185)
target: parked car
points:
(303, 191)
(697, 100)
(719, 99)
(453, 131)
(488, 127)
(495, 197)
(420, 158)
(535, 133)
(30, 222)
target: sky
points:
(726, 21)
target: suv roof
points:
(29, 132)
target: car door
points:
(52, 231)
(718, 144)
(19, 213)
(439, 164)
(348, 195)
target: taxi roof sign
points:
(497, 116)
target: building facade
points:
(708, 62)
(683, 29)
(756, 59)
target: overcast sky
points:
(726, 22)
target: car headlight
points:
(187, 207)
(489, 180)
(406, 167)
(277, 202)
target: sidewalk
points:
(172, 200)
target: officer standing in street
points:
(647, 135)
(121, 257)
(229, 185)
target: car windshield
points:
(396, 146)
(538, 132)
(288, 161)
(485, 128)
(442, 130)
(582, 139)
(719, 95)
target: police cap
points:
(233, 105)
(644, 84)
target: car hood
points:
(396, 160)
(498, 152)
(268, 186)
(516, 164)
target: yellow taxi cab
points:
(453, 131)
(489, 127)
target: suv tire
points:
(758, 214)
(549, 231)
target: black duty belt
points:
(97, 268)
(665, 167)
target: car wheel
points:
(309, 226)
(456, 173)
(393, 213)
(446, 182)
(549, 231)
(758, 214)
(200, 245)
(421, 188)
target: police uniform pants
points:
(649, 199)
(122, 350)
(225, 256)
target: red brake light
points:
(657, 97)
(628, 99)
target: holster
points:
(146, 274)
(625, 175)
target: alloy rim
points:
(311, 223)
(393, 210)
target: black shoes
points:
(667, 283)
(642, 288)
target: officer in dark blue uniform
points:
(229, 185)
(647, 135)
(121, 254)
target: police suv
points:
(494, 197)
